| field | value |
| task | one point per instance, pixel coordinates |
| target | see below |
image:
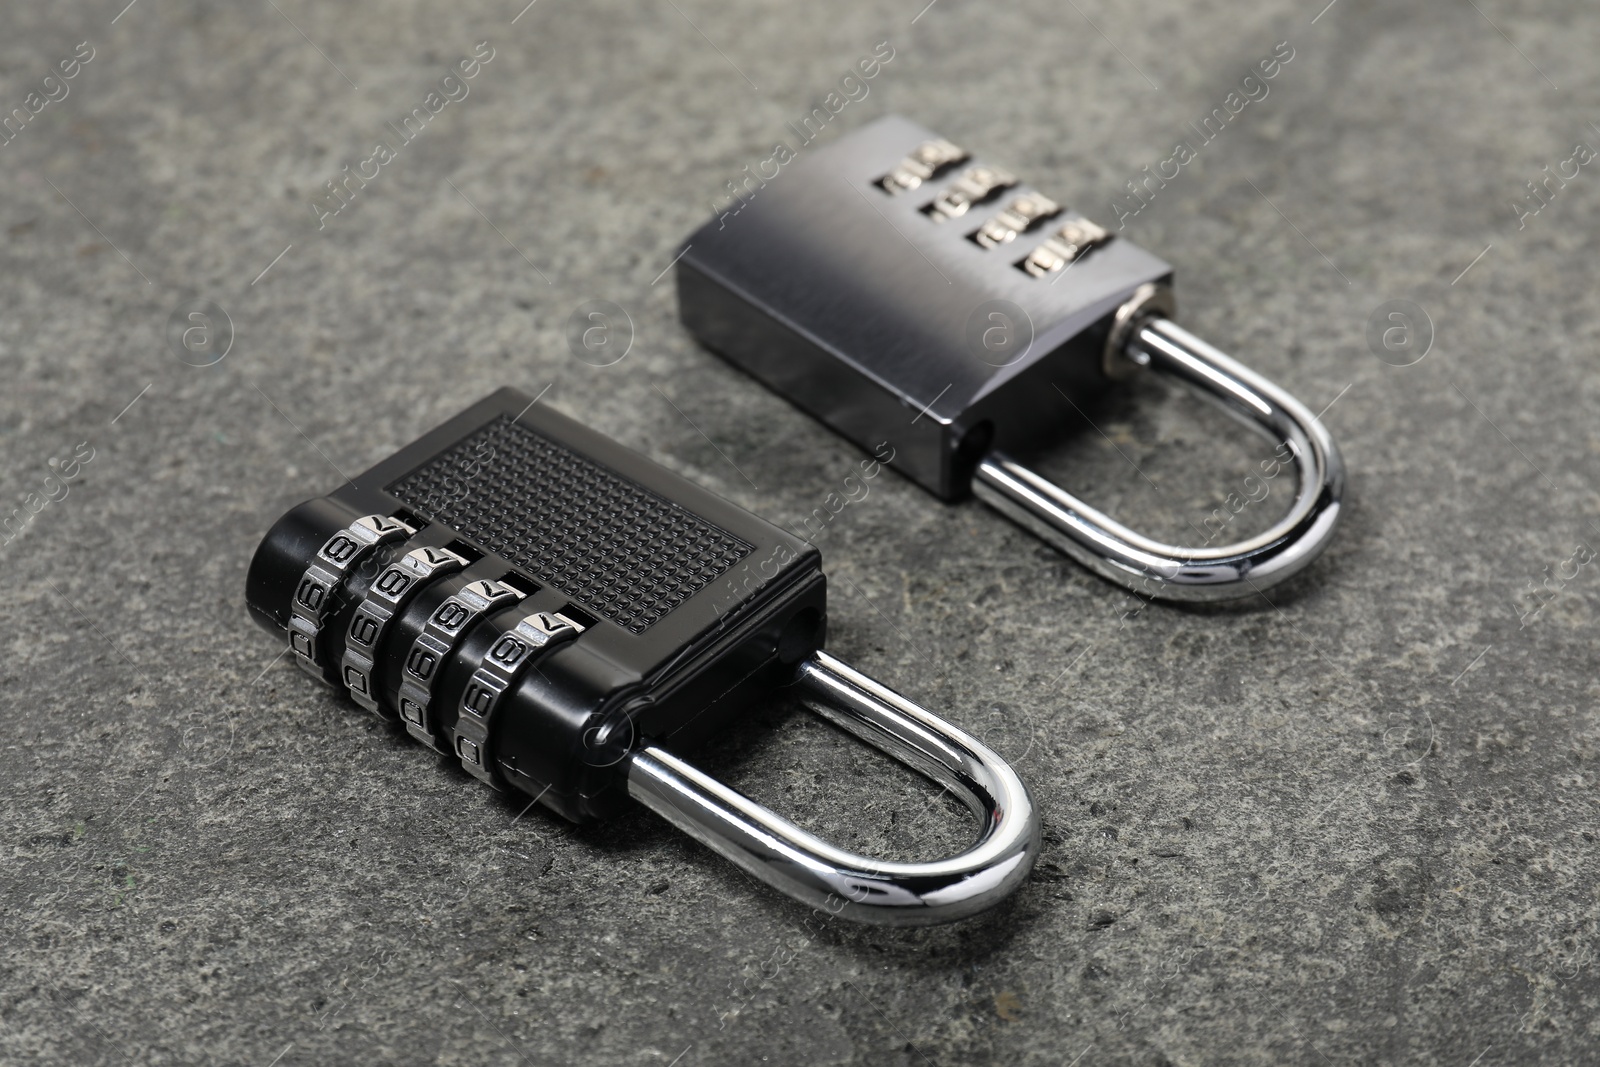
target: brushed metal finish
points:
(853, 303)
(1172, 572)
(809, 869)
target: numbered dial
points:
(502, 665)
(431, 651)
(320, 592)
(388, 595)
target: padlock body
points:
(877, 314)
(691, 608)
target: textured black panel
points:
(605, 542)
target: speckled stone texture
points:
(1351, 822)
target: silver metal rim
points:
(1148, 301)
(809, 869)
(1174, 572)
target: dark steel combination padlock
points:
(553, 610)
(903, 291)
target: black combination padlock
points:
(555, 612)
(906, 292)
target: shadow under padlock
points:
(579, 616)
(882, 285)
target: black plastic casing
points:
(720, 637)
(859, 308)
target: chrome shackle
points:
(810, 870)
(1147, 339)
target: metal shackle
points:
(810, 870)
(1143, 337)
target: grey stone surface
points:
(1355, 825)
